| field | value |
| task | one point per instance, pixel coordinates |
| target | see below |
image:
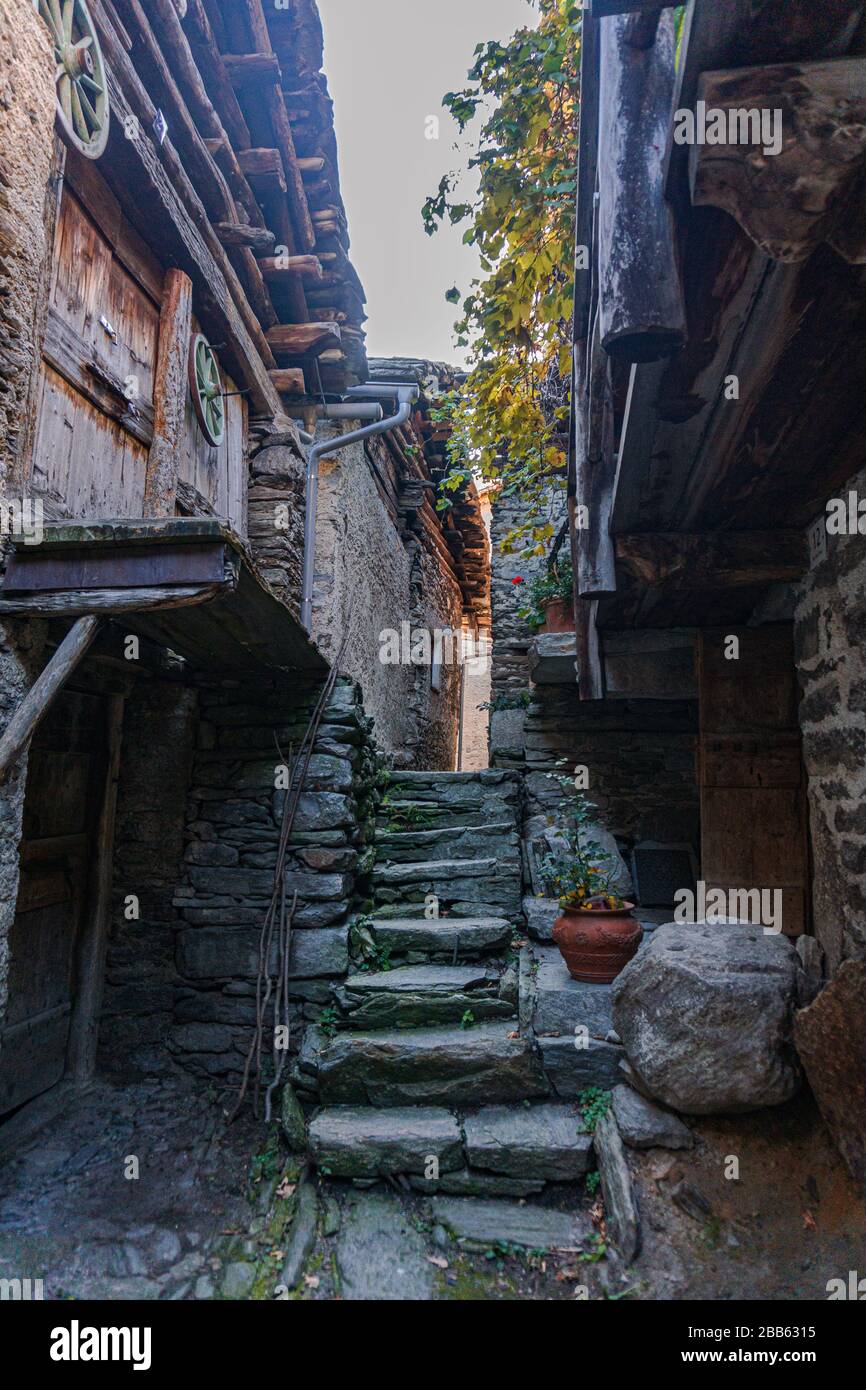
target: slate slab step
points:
(563, 1004)
(447, 842)
(380, 1255)
(480, 1223)
(493, 883)
(539, 1141)
(415, 996)
(423, 1066)
(358, 1142)
(468, 936)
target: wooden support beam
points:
(78, 603)
(264, 165)
(714, 560)
(587, 171)
(93, 947)
(640, 297)
(790, 166)
(278, 267)
(248, 69)
(259, 240)
(311, 166)
(289, 381)
(169, 394)
(602, 8)
(210, 63)
(303, 339)
(48, 684)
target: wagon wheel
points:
(207, 390)
(82, 90)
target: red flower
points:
(517, 579)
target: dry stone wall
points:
(27, 106)
(830, 636)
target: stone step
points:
(510, 1149)
(458, 1067)
(491, 885)
(452, 799)
(447, 842)
(417, 996)
(485, 1224)
(359, 1142)
(452, 938)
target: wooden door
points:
(64, 779)
(754, 825)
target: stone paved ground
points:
(68, 1214)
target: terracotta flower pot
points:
(598, 942)
(558, 616)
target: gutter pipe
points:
(404, 396)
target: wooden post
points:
(640, 297)
(47, 685)
(169, 394)
(84, 1026)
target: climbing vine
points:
(512, 416)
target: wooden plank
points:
(278, 267)
(797, 195)
(93, 950)
(74, 360)
(210, 63)
(153, 198)
(169, 395)
(251, 69)
(34, 571)
(642, 315)
(263, 165)
(721, 559)
(79, 603)
(289, 380)
(303, 339)
(602, 8)
(45, 688)
(258, 239)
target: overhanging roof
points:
(185, 583)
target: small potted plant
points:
(596, 933)
(549, 604)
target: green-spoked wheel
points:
(82, 89)
(205, 384)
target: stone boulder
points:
(705, 1014)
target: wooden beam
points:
(278, 267)
(169, 395)
(48, 684)
(311, 166)
(93, 948)
(247, 69)
(714, 560)
(210, 63)
(265, 165)
(153, 189)
(258, 239)
(602, 8)
(78, 603)
(640, 297)
(794, 152)
(303, 339)
(289, 381)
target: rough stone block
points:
(563, 1004)
(543, 1141)
(571, 1069)
(360, 1142)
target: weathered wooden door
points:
(754, 826)
(64, 780)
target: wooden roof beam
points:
(303, 339)
(210, 63)
(154, 190)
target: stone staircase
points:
(431, 1068)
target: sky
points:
(389, 63)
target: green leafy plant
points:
(369, 955)
(555, 582)
(594, 1104)
(328, 1020)
(592, 1182)
(468, 1019)
(503, 702)
(582, 873)
(512, 416)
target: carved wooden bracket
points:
(803, 181)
